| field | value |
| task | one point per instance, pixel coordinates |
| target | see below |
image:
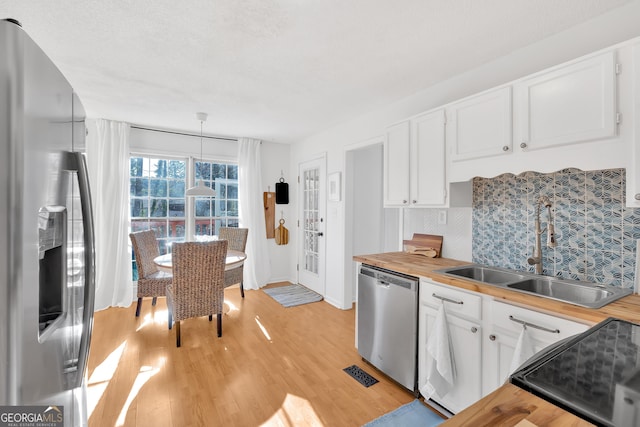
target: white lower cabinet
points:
(466, 340)
(503, 331)
(484, 334)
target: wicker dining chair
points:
(237, 238)
(151, 281)
(198, 282)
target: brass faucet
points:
(536, 257)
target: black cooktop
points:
(595, 375)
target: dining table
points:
(234, 259)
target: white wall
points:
(368, 218)
(276, 161)
(456, 233)
(275, 158)
(365, 220)
(608, 29)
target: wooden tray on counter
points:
(428, 245)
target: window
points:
(157, 198)
(221, 211)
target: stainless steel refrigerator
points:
(46, 235)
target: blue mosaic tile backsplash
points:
(595, 233)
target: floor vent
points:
(361, 376)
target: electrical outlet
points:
(442, 217)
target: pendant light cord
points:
(200, 165)
(200, 189)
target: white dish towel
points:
(441, 369)
(524, 350)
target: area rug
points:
(409, 415)
(292, 295)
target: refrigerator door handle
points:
(78, 164)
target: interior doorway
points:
(369, 227)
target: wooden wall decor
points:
(269, 199)
(282, 234)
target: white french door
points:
(312, 206)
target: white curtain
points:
(257, 268)
(108, 165)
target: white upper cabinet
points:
(569, 104)
(574, 115)
(396, 165)
(480, 126)
(581, 114)
(633, 172)
(427, 165)
(414, 162)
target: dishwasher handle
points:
(387, 278)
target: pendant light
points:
(201, 190)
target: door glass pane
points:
(310, 220)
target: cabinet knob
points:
(404, 202)
(474, 329)
(523, 145)
(414, 201)
(637, 196)
(492, 337)
(505, 148)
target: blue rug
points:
(409, 415)
(292, 295)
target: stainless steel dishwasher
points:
(388, 323)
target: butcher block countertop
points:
(627, 308)
(512, 406)
(509, 405)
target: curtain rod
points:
(182, 133)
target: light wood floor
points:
(272, 366)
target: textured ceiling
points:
(278, 70)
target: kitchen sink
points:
(584, 294)
(480, 273)
(579, 293)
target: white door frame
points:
(315, 282)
